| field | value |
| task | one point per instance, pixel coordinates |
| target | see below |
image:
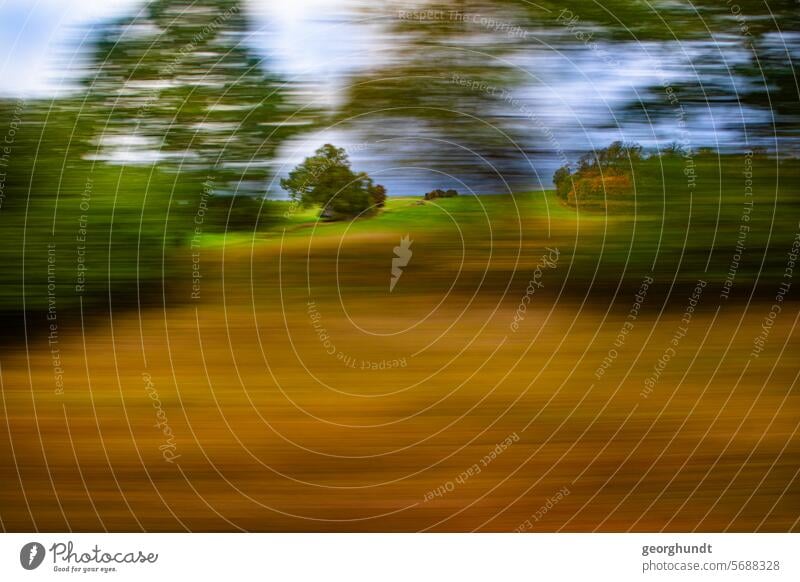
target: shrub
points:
(438, 193)
(228, 212)
(89, 235)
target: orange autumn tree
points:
(605, 174)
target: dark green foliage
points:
(379, 195)
(563, 181)
(100, 189)
(618, 155)
(73, 229)
(179, 80)
(602, 175)
(238, 213)
(438, 193)
(325, 179)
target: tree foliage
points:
(603, 174)
(326, 179)
(178, 84)
(439, 193)
(101, 189)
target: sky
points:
(320, 43)
(37, 38)
(35, 35)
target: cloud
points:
(40, 37)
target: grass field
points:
(297, 393)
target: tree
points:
(602, 174)
(99, 189)
(326, 179)
(379, 195)
(563, 181)
(673, 150)
(616, 156)
(447, 89)
(176, 83)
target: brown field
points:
(273, 433)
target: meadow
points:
(537, 367)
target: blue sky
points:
(320, 42)
(36, 35)
(37, 38)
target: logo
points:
(402, 255)
(31, 555)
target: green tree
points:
(178, 84)
(618, 155)
(448, 89)
(563, 181)
(100, 189)
(605, 173)
(326, 179)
